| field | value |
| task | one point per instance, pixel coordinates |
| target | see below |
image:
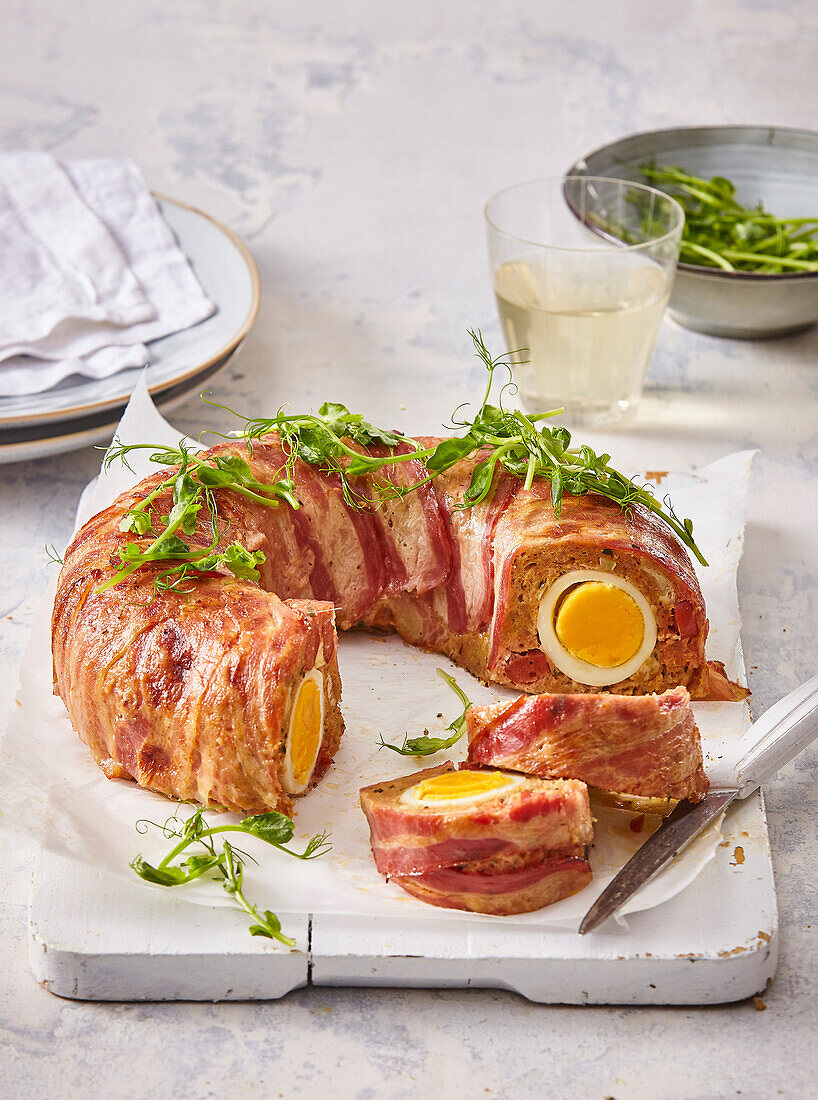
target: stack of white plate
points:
(81, 411)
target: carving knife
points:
(769, 744)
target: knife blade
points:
(772, 741)
(678, 829)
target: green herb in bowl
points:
(720, 232)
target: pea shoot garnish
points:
(342, 443)
(52, 554)
(325, 439)
(426, 745)
(515, 441)
(225, 865)
(193, 483)
(720, 232)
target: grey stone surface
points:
(353, 145)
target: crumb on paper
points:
(759, 1005)
(738, 856)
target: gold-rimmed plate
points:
(45, 440)
(229, 275)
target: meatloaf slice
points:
(411, 835)
(641, 745)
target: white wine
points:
(589, 331)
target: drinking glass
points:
(582, 268)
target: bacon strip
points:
(457, 619)
(410, 529)
(505, 489)
(469, 592)
(715, 684)
(521, 891)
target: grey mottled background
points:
(353, 144)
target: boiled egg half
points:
(595, 627)
(452, 788)
(304, 733)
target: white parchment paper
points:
(53, 787)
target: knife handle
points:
(778, 736)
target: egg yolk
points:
(464, 784)
(305, 731)
(600, 623)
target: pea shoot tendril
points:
(426, 745)
(514, 441)
(227, 865)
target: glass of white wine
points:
(582, 267)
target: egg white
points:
(289, 782)
(583, 671)
(410, 796)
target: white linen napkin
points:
(23, 374)
(90, 272)
(59, 262)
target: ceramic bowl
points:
(776, 165)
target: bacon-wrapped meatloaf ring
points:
(228, 694)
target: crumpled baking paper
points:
(389, 690)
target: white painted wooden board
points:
(96, 937)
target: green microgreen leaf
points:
(426, 745)
(162, 876)
(720, 232)
(275, 828)
(226, 866)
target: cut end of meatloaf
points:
(321, 658)
(516, 655)
(534, 549)
(640, 745)
(411, 837)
